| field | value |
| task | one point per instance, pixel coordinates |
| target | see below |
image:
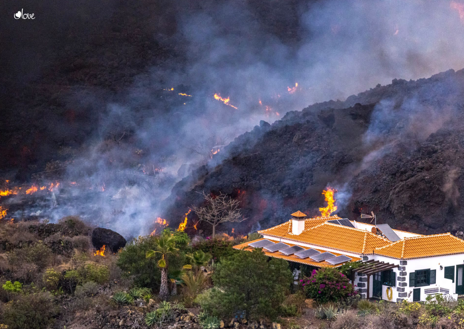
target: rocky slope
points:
(397, 150)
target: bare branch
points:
(219, 209)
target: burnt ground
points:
(396, 150)
(58, 72)
(393, 149)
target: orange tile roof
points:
(423, 246)
(293, 258)
(299, 214)
(285, 229)
(332, 236)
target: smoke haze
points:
(147, 136)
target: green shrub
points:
(253, 236)
(87, 289)
(94, 272)
(209, 322)
(145, 271)
(141, 293)
(122, 298)
(38, 254)
(163, 314)
(293, 305)
(72, 226)
(437, 305)
(13, 287)
(347, 320)
(51, 279)
(408, 308)
(240, 286)
(194, 282)
(218, 248)
(366, 307)
(32, 311)
(326, 312)
(327, 285)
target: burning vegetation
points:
(100, 252)
(330, 199)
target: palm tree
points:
(199, 258)
(166, 246)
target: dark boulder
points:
(111, 239)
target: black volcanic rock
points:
(397, 150)
(111, 239)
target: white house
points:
(397, 265)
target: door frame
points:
(460, 289)
(377, 285)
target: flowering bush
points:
(327, 285)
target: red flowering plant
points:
(327, 285)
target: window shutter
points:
(433, 276)
(449, 272)
(412, 279)
(393, 279)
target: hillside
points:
(396, 150)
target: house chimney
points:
(298, 222)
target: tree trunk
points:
(214, 230)
(174, 289)
(164, 289)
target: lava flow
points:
(329, 198)
(224, 100)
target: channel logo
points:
(21, 15)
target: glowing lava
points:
(32, 189)
(224, 100)
(100, 252)
(329, 198)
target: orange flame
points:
(224, 100)
(53, 186)
(2, 212)
(183, 225)
(32, 189)
(159, 221)
(292, 90)
(186, 95)
(329, 198)
(195, 226)
(459, 7)
(100, 252)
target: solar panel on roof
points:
(338, 260)
(333, 221)
(307, 253)
(388, 232)
(322, 257)
(291, 250)
(345, 222)
(261, 244)
(276, 246)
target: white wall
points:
(434, 263)
(368, 227)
